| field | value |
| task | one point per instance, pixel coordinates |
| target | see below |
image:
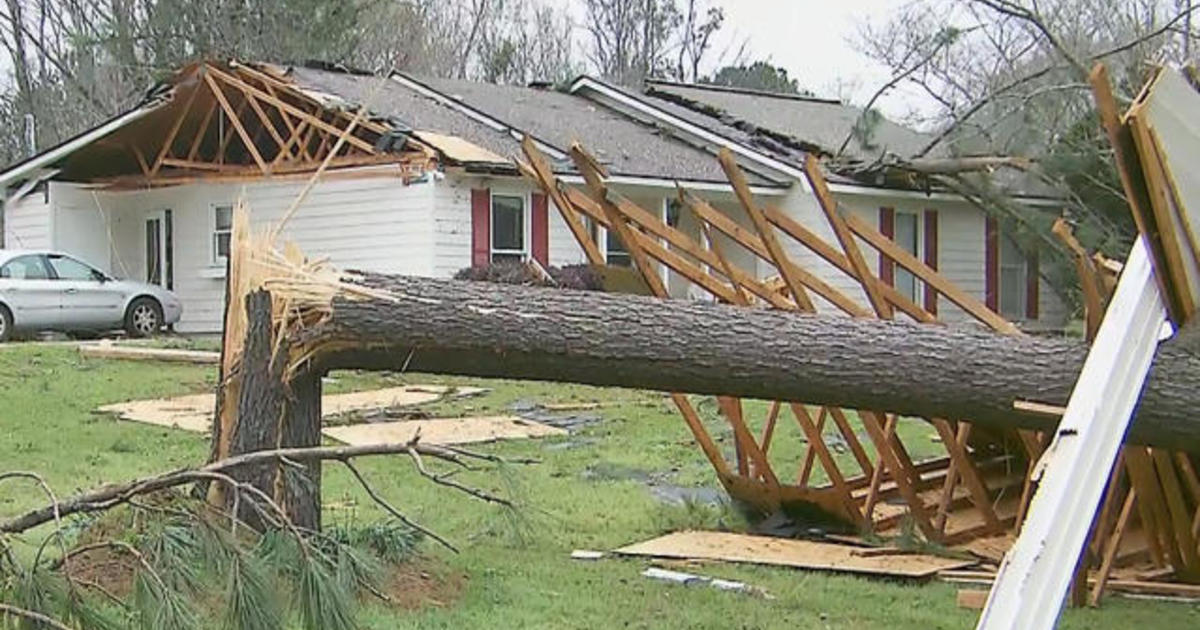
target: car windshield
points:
(67, 268)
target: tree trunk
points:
(954, 372)
(274, 413)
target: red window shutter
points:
(931, 258)
(541, 229)
(991, 264)
(887, 226)
(481, 227)
(1031, 287)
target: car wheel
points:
(6, 324)
(144, 317)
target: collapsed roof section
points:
(496, 117)
(228, 120)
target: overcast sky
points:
(810, 38)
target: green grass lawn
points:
(587, 493)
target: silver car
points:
(43, 290)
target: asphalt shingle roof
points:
(820, 122)
(624, 145)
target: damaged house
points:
(418, 180)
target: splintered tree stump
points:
(957, 372)
(274, 413)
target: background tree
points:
(1009, 77)
(760, 75)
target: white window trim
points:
(526, 223)
(215, 260)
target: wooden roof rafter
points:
(233, 120)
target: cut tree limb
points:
(452, 327)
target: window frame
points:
(1022, 297)
(526, 198)
(918, 294)
(215, 258)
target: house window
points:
(1014, 278)
(614, 250)
(221, 233)
(908, 237)
(509, 239)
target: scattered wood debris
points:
(802, 554)
(442, 431)
(195, 412)
(972, 598)
(109, 350)
(691, 579)
(1157, 589)
(587, 554)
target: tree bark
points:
(274, 413)
(954, 372)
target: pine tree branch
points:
(21, 613)
(111, 495)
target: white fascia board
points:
(1071, 475)
(475, 114)
(658, 182)
(899, 193)
(588, 83)
(63, 150)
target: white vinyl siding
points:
(372, 223)
(27, 223)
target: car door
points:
(88, 298)
(27, 288)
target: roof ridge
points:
(746, 91)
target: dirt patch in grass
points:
(107, 569)
(422, 583)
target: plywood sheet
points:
(442, 431)
(195, 412)
(801, 554)
(458, 149)
(190, 413)
(134, 353)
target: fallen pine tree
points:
(488, 330)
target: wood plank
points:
(137, 353)
(889, 428)
(676, 239)
(816, 441)
(778, 256)
(1110, 550)
(810, 453)
(754, 244)
(1153, 508)
(1180, 516)
(769, 427)
(250, 90)
(543, 175)
(809, 239)
(1089, 279)
(856, 447)
(171, 135)
(944, 286)
(900, 473)
(1132, 179)
(812, 170)
(201, 132)
(701, 435)
(801, 554)
(237, 124)
(1170, 240)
